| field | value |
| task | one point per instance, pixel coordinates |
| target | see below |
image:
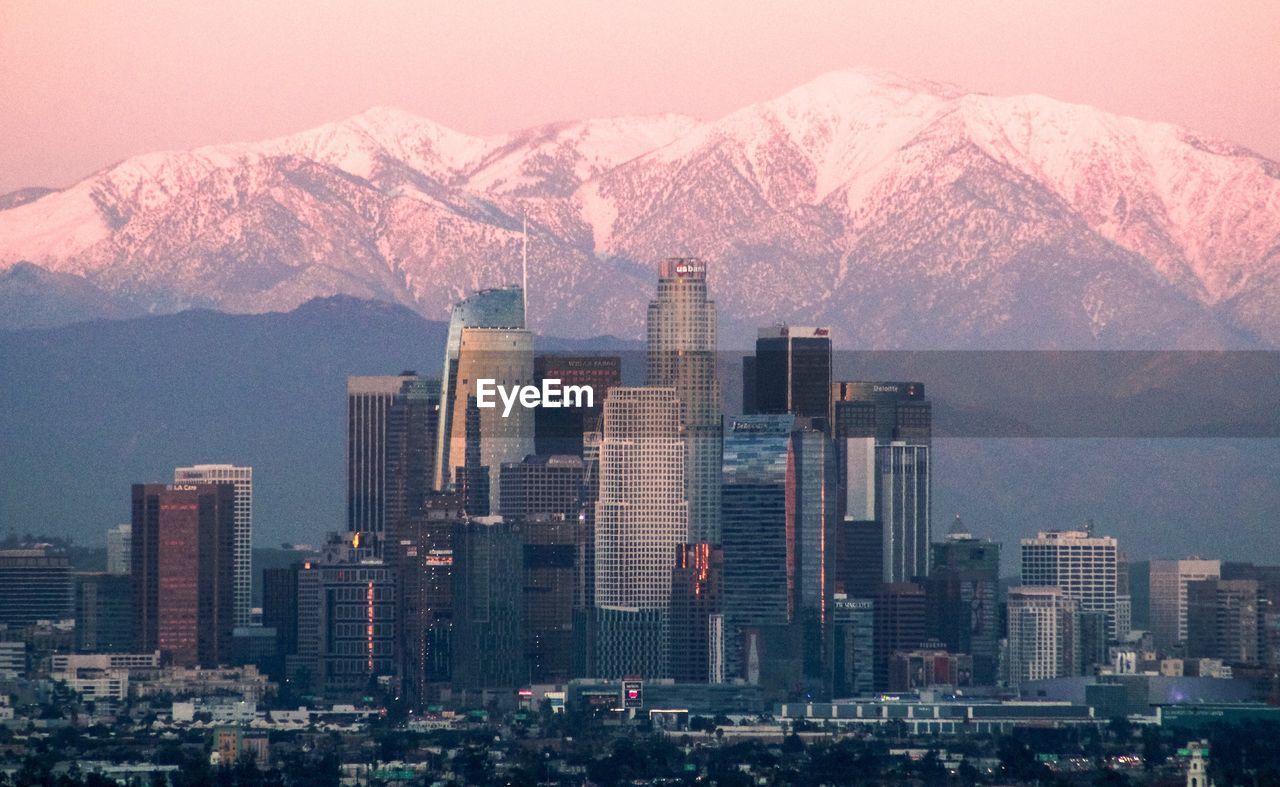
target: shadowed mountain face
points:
(903, 213)
(1025, 440)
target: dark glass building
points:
(550, 584)
(963, 599)
(852, 646)
(35, 584)
(423, 558)
(412, 421)
(696, 600)
(488, 585)
(900, 625)
(791, 372)
(280, 607)
(183, 571)
(559, 430)
(104, 613)
(542, 486)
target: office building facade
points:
(183, 571)
(242, 479)
(559, 430)
(791, 372)
(1083, 565)
(681, 354)
(488, 602)
(35, 584)
(1167, 598)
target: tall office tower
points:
(412, 421)
(494, 308)
(550, 575)
(900, 625)
(696, 598)
(35, 584)
(963, 599)
(542, 485)
(369, 402)
(242, 479)
(1082, 564)
(1124, 599)
(104, 613)
(755, 536)
(118, 549)
(559, 430)
(903, 509)
(641, 517)
(1225, 620)
(811, 511)
(583, 654)
(1042, 624)
(183, 570)
(488, 587)
(347, 628)
(1167, 594)
(883, 437)
(423, 560)
(682, 355)
(280, 607)
(852, 646)
(792, 371)
(504, 355)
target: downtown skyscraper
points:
(1081, 564)
(641, 518)
(790, 372)
(501, 307)
(241, 478)
(682, 355)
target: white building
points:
(1042, 634)
(1081, 564)
(1168, 597)
(641, 513)
(242, 478)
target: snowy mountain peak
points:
(902, 209)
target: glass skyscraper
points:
(682, 355)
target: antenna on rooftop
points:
(524, 269)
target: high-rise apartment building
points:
(1042, 624)
(242, 479)
(641, 517)
(35, 584)
(183, 571)
(1167, 597)
(1081, 564)
(791, 372)
(682, 356)
(118, 548)
(493, 308)
(963, 599)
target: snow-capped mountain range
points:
(904, 213)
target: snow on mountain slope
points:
(901, 211)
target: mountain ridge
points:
(903, 212)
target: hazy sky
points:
(84, 84)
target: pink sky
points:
(85, 84)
